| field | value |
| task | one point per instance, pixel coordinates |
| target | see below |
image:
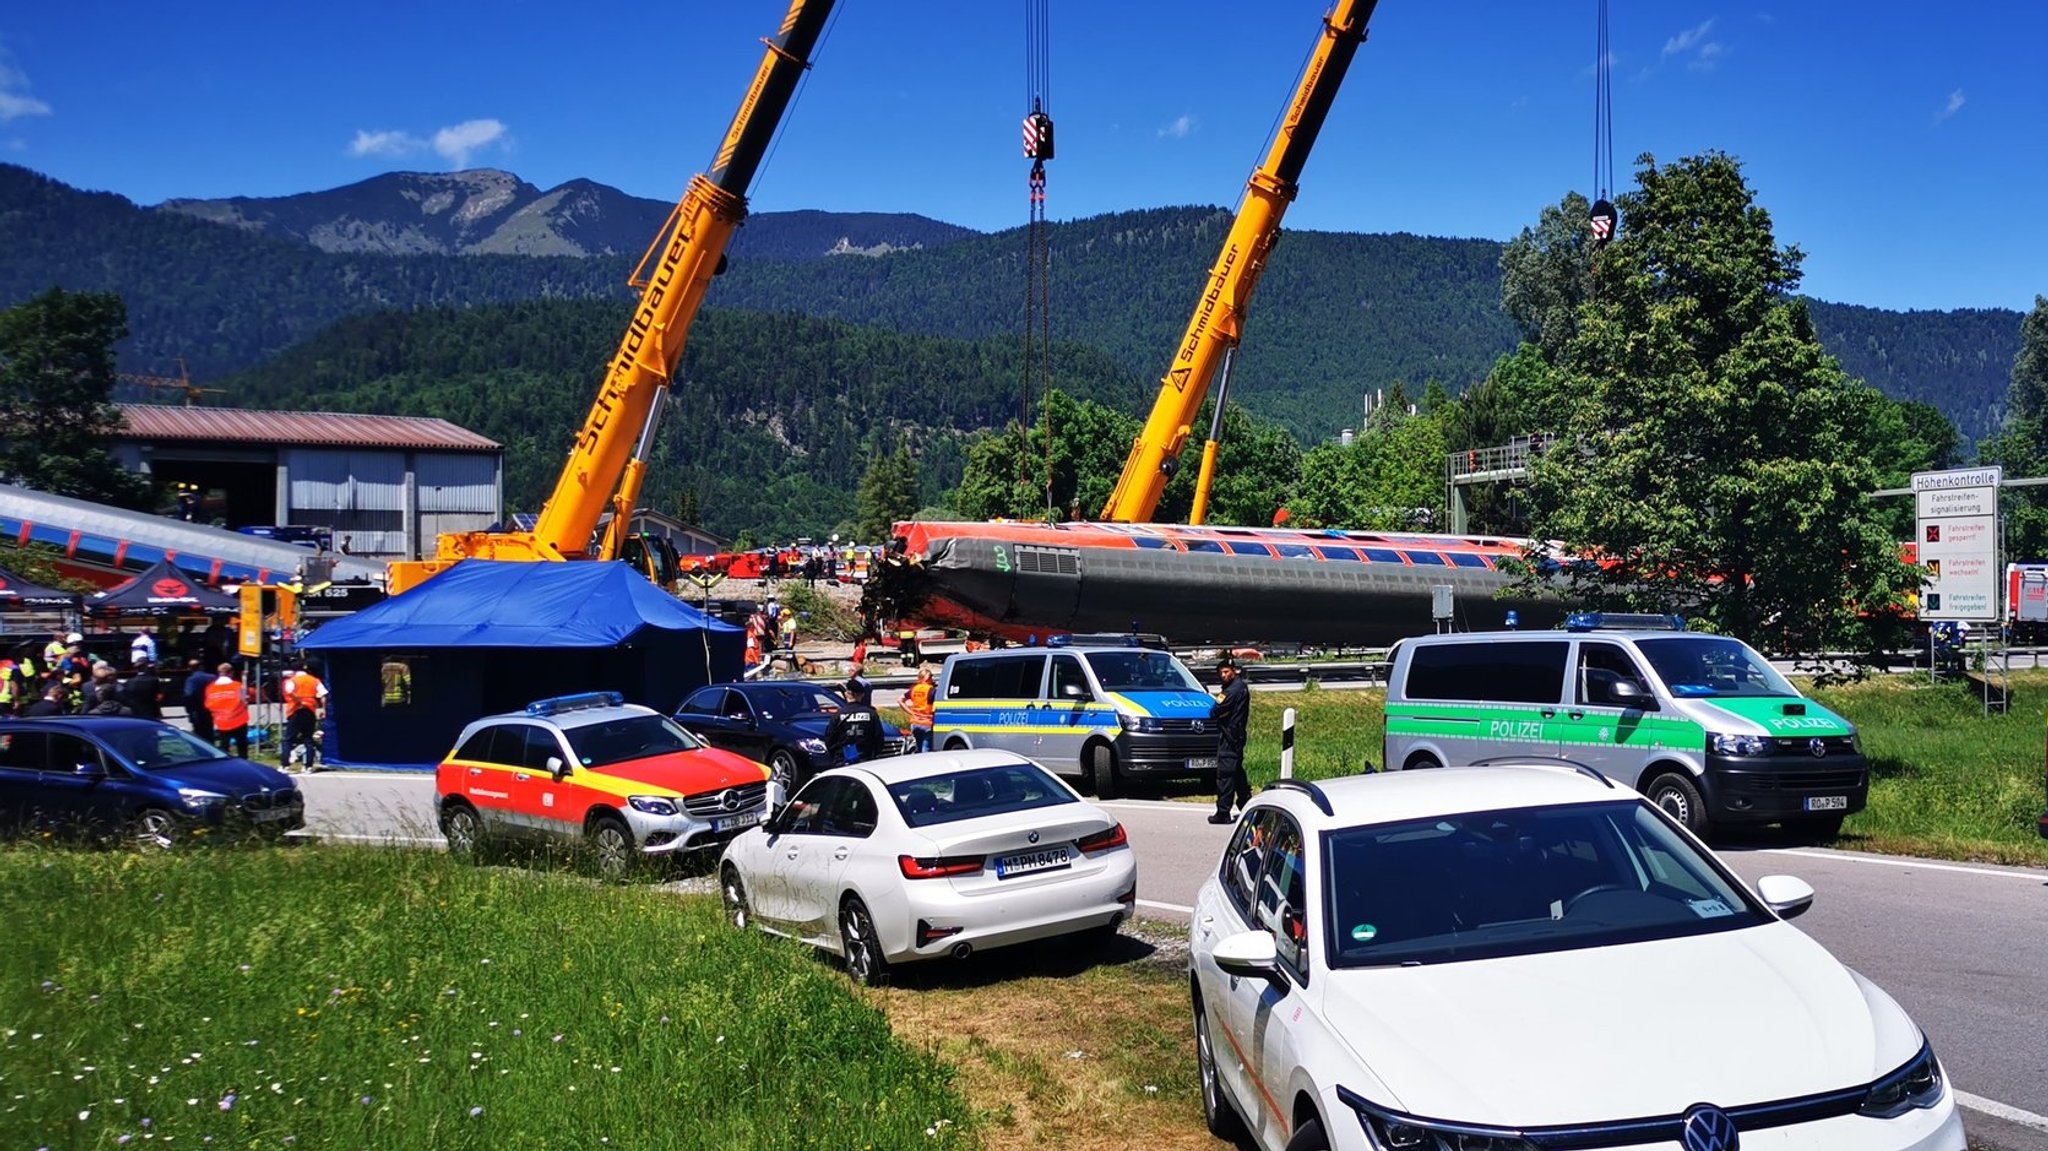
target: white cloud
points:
(1684, 41)
(1709, 55)
(384, 144)
(1955, 104)
(1179, 128)
(458, 143)
(15, 102)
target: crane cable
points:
(1602, 218)
(1038, 148)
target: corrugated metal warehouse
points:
(386, 486)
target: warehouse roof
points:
(298, 429)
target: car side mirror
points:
(779, 822)
(92, 770)
(1625, 693)
(557, 768)
(1248, 954)
(1789, 896)
(1073, 691)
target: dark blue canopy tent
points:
(488, 636)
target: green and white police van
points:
(1104, 713)
(1700, 724)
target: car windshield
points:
(1705, 666)
(979, 791)
(1139, 670)
(156, 748)
(630, 737)
(1517, 882)
(785, 700)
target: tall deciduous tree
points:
(1716, 459)
(2022, 445)
(1546, 273)
(56, 377)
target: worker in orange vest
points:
(227, 701)
(917, 704)
(305, 704)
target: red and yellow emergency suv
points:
(594, 772)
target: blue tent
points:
(491, 636)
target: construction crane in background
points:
(182, 382)
(1218, 321)
(1602, 218)
(1038, 148)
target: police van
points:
(1102, 712)
(1700, 724)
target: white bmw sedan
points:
(1529, 958)
(930, 855)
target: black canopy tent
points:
(165, 589)
(18, 594)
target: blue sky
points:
(1903, 147)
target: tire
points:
(613, 853)
(1217, 1109)
(738, 911)
(859, 945)
(1680, 798)
(783, 767)
(1421, 761)
(1309, 1137)
(956, 744)
(153, 829)
(1102, 770)
(464, 831)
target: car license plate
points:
(1051, 859)
(1827, 803)
(744, 819)
(1201, 763)
(269, 813)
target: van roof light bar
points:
(1622, 621)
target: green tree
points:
(1546, 274)
(56, 377)
(2021, 446)
(1716, 459)
(1389, 479)
(888, 493)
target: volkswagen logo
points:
(1032, 838)
(729, 799)
(1818, 746)
(1199, 726)
(1708, 1128)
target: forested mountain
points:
(1337, 314)
(769, 428)
(484, 211)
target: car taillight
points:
(1104, 840)
(938, 867)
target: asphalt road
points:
(1964, 948)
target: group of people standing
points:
(62, 678)
(770, 627)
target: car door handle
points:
(1576, 714)
(791, 853)
(476, 771)
(842, 853)
(521, 776)
(1549, 713)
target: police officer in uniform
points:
(1232, 716)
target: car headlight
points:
(1394, 1131)
(1144, 723)
(653, 804)
(814, 746)
(1856, 741)
(198, 798)
(1917, 1084)
(1722, 743)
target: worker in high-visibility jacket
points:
(227, 701)
(305, 704)
(7, 688)
(917, 704)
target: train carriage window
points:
(1203, 546)
(1153, 542)
(1240, 547)
(1430, 559)
(1383, 555)
(1295, 551)
(1330, 553)
(1469, 560)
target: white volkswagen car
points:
(930, 855)
(1518, 958)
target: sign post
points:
(1957, 532)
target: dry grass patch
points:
(1081, 1044)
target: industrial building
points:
(384, 486)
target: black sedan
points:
(790, 725)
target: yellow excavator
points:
(609, 459)
(1218, 323)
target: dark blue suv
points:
(104, 777)
(782, 723)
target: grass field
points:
(359, 998)
(1947, 781)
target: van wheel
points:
(1680, 799)
(1420, 761)
(956, 744)
(1102, 769)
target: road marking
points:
(1192, 808)
(1851, 857)
(1997, 1110)
(1153, 903)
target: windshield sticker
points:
(1364, 932)
(1683, 690)
(1709, 908)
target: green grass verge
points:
(329, 997)
(1947, 781)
